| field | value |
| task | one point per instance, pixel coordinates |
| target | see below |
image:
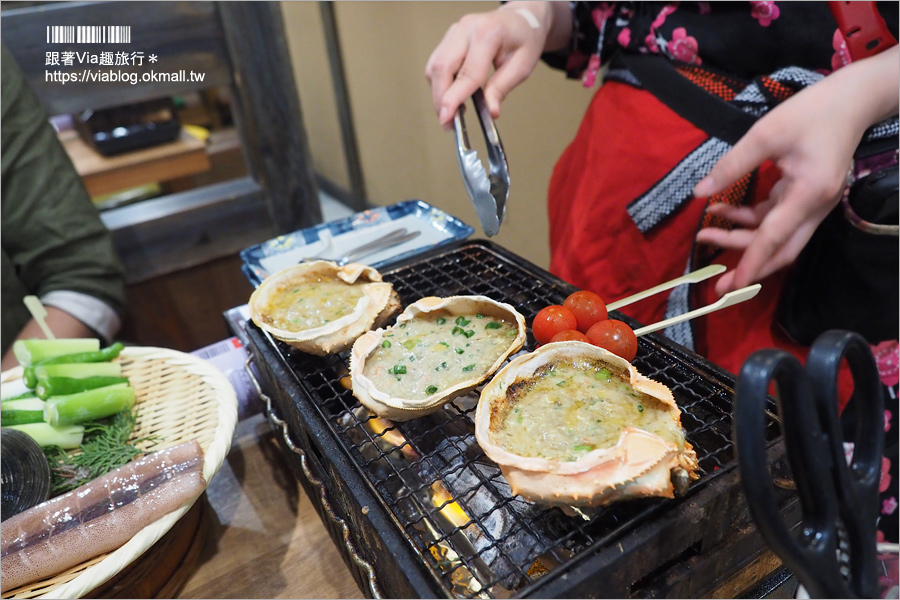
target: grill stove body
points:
(417, 510)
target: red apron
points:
(627, 141)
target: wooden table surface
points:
(264, 538)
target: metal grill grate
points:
(451, 501)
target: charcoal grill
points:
(419, 511)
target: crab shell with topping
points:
(403, 409)
(640, 464)
(378, 303)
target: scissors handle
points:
(829, 490)
(811, 555)
(856, 484)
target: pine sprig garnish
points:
(105, 447)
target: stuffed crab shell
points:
(574, 425)
(320, 307)
(439, 349)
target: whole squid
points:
(99, 516)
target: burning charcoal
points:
(482, 493)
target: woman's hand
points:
(811, 138)
(511, 39)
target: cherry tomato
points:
(550, 320)
(587, 307)
(569, 335)
(615, 336)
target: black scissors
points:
(833, 551)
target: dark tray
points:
(419, 511)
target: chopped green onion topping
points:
(468, 367)
(479, 316)
(385, 344)
(640, 407)
(441, 320)
(431, 389)
(397, 370)
(441, 367)
(583, 448)
(462, 321)
(602, 374)
(469, 333)
(458, 329)
(493, 325)
(459, 350)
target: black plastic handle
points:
(856, 485)
(811, 555)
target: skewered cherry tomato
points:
(550, 320)
(588, 308)
(615, 336)
(569, 335)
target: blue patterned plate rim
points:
(441, 222)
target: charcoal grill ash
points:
(418, 510)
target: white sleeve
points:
(93, 312)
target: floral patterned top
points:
(743, 39)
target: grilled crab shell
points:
(378, 303)
(640, 464)
(403, 409)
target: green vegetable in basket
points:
(30, 352)
(66, 437)
(100, 356)
(61, 386)
(105, 447)
(89, 405)
(73, 371)
(22, 396)
(22, 411)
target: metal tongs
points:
(487, 191)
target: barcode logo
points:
(89, 34)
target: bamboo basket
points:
(179, 398)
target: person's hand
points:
(61, 323)
(509, 39)
(811, 138)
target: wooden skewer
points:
(37, 310)
(729, 299)
(692, 277)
